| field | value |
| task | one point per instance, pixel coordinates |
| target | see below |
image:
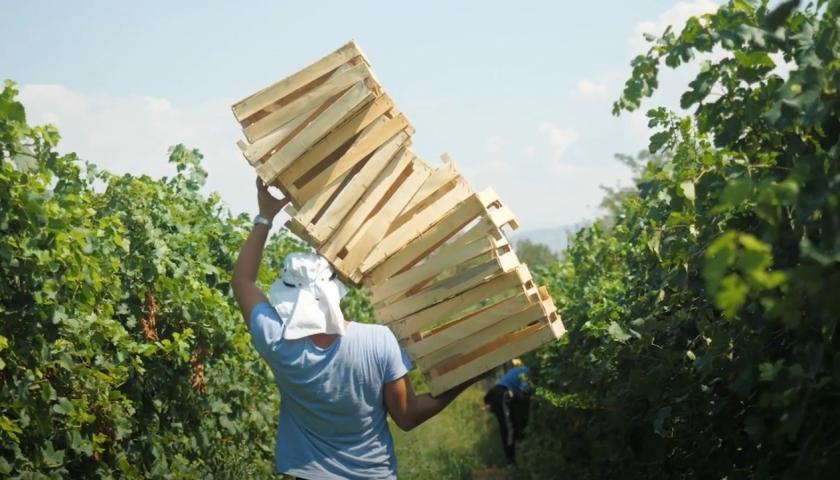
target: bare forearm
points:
(244, 277)
(248, 262)
(427, 406)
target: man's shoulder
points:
(371, 329)
(374, 336)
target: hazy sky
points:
(518, 93)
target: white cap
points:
(307, 296)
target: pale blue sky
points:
(518, 93)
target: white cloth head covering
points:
(307, 296)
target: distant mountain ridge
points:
(555, 238)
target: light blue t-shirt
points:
(332, 411)
(515, 380)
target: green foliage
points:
(702, 320)
(701, 316)
(122, 352)
(534, 254)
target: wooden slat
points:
(447, 288)
(343, 78)
(363, 208)
(481, 229)
(508, 347)
(326, 192)
(414, 227)
(442, 176)
(479, 333)
(444, 274)
(432, 267)
(460, 328)
(369, 141)
(298, 229)
(329, 144)
(376, 226)
(350, 193)
(320, 126)
(457, 361)
(265, 97)
(452, 223)
(502, 216)
(416, 322)
(293, 225)
(257, 151)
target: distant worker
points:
(509, 400)
(336, 378)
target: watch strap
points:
(262, 220)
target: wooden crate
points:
(440, 270)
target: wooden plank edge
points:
(413, 252)
(452, 351)
(330, 144)
(432, 340)
(449, 287)
(520, 346)
(341, 79)
(276, 91)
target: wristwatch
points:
(263, 220)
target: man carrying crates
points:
(337, 378)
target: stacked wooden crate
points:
(431, 250)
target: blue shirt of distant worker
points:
(516, 380)
(509, 401)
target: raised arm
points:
(409, 410)
(244, 279)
